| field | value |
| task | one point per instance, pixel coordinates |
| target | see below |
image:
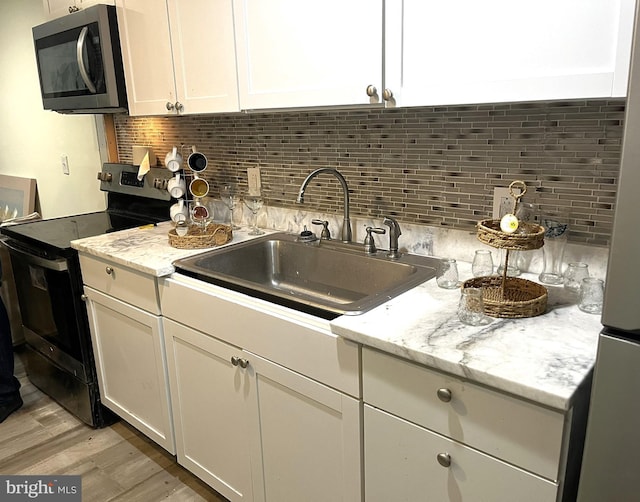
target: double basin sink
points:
(324, 278)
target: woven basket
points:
(528, 236)
(197, 238)
(518, 299)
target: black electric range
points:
(49, 285)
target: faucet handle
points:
(325, 234)
(369, 243)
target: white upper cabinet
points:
(303, 54)
(466, 51)
(59, 8)
(179, 56)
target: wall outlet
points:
(501, 196)
(253, 180)
(64, 160)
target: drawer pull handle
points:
(444, 395)
(235, 360)
(444, 459)
(108, 270)
(243, 363)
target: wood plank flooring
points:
(117, 463)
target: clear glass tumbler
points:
(471, 307)
(447, 274)
(482, 263)
(591, 295)
(556, 228)
(576, 271)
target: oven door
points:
(53, 313)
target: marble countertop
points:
(543, 358)
(145, 248)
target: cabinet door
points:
(59, 8)
(146, 54)
(130, 361)
(209, 410)
(293, 53)
(499, 50)
(204, 55)
(401, 464)
(306, 437)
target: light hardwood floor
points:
(116, 463)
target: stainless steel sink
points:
(326, 278)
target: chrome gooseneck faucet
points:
(346, 224)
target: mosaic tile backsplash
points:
(434, 166)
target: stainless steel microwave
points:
(80, 63)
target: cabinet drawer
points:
(124, 283)
(401, 463)
(509, 428)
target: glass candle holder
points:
(482, 263)
(591, 295)
(447, 274)
(576, 271)
(471, 307)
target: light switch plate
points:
(499, 195)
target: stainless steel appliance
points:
(611, 460)
(49, 285)
(79, 62)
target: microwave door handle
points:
(82, 39)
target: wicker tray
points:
(197, 238)
(518, 299)
(528, 236)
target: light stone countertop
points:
(145, 248)
(543, 358)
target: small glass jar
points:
(482, 263)
(591, 295)
(471, 307)
(576, 271)
(447, 274)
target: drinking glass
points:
(482, 263)
(229, 198)
(591, 295)
(556, 228)
(576, 271)
(471, 307)
(447, 274)
(254, 203)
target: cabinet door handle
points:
(170, 106)
(243, 363)
(387, 95)
(444, 459)
(179, 106)
(235, 360)
(444, 395)
(371, 90)
(108, 270)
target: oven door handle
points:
(57, 264)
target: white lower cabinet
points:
(406, 462)
(130, 361)
(209, 397)
(248, 426)
(432, 436)
(128, 345)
